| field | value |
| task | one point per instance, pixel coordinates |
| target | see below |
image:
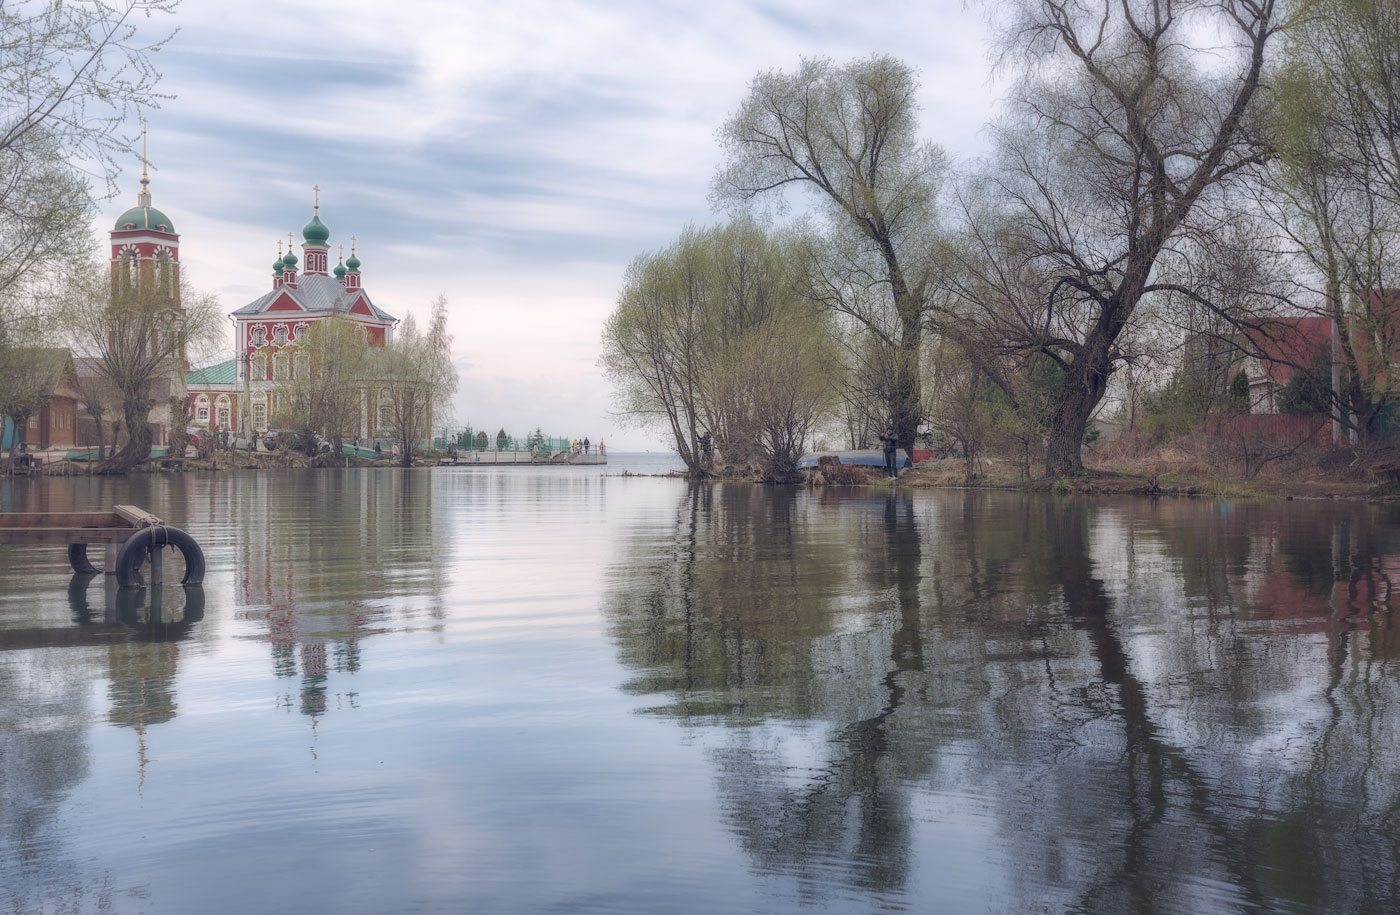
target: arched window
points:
(279, 367)
(260, 412)
(386, 412)
(223, 411)
(301, 365)
(259, 336)
(260, 367)
(201, 410)
(281, 335)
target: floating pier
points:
(132, 537)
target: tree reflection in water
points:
(1124, 705)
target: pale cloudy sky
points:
(514, 156)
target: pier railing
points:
(470, 440)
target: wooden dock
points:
(132, 536)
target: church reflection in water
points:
(315, 587)
(1124, 705)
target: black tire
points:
(78, 559)
(133, 553)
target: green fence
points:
(466, 438)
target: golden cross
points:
(289, 241)
(317, 189)
(352, 246)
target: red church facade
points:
(241, 394)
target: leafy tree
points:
(331, 371)
(482, 442)
(1309, 390)
(713, 335)
(1334, 187)
(1239, 392)
(27, 378)
(502, 439)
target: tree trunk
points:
(138, 444)
(1083, 388)
(906, 408)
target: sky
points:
(513, 157)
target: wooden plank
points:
(64, 535)
(137, 517)
(62, 519)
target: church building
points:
(240, 394)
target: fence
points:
(1281, 427)
(468, 439)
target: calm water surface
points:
(517, 690)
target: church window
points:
(260, 416)
(386, 412)
(260, 336)
(279, 367)
(301, 365)
(260, 367)
(282, 335)
(201, 410)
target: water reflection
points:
(1127, 706)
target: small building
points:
(1284, 346)
(55, 423)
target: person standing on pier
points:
(586, 445)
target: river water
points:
(547, 690)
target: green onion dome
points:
(277, 266)
(353, 264)
(289, 261)
(144, 218)
(315, 232)
(339, 271)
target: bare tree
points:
(72, 75)
(848, 133)
(417, 374)
(138, 330)
(1125, 130)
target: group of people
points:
(586, 447)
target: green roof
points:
(221, 373)
(144, 218)
(315, 232)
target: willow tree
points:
(331, 369)
(849, 134)
(1127, 132)
(416, 378)
(139, 329)
(712, 335)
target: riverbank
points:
(1314, 483)
(950, 474)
